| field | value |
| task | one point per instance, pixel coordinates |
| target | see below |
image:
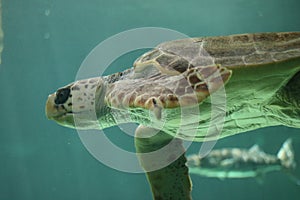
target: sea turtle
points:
(167, 87)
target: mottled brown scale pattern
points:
(241, 38)
(274, 37)
(258, 58)
(202, 87)
(75, 87)
(172, 97)
(180, 90)
(206, 72)
(218, 47)
(151, 55)
(193, 79)
(218, 41)
(293, 53)
(165, 59)
(82, 82)
(92, 80)
(131, 99)
(114, 102)
(281, 47)
(141, 100)
(186, 89)
(228, 50)
(279, 56)
(121, 95)
(203, 61)
(93, 86)
(180, 65)
(229, 60)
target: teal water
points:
(45, 41)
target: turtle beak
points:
(52, 110)
(58, 113)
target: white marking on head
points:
(85, 94)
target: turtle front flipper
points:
(162, 157)
(167, 90)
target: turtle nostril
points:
(62, 96)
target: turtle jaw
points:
(58, 113)
(81, 120)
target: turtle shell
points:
(232, 51)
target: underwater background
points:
(45, 41)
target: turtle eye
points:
(62, 95)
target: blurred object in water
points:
(243, 163)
